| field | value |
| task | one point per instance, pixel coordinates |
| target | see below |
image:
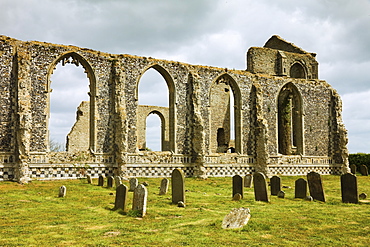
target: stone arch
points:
(77, 59)
(298, 70)
(290, 120)
(163, 128)
(219, 97)
(171, 102)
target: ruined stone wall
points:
(195, 112)
(78, 137)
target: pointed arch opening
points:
(290, 129)
(297, 70)
(155, 132)
(225, 120)
(156, 90)
(71, 100)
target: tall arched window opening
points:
(225, 116)
(69, 107)
(153, 132)
(290, 130)
(153, 97)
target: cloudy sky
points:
(213, 32)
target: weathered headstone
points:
(353, 168)
(117, 181)
(363, 170)
(110, 182)
(178, 186)
(89, 180)
(121, 197)
(62, 191)
(260, 187)
(300, 188)
(238, 185)
(101, 180)
(164, 187)
(281, 194)
(275, 182)
(315, 186)
(140, 199)
(348, 184)
(133, 184)
(248, 179)
(237, 218)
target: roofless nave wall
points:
(286, 120)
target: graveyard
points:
(35, 214)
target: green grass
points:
(33, 215)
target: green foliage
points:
(359, 159)
(34, 215)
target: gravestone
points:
(101, 180)
(117, 181)
(89, 180)
(260, 187)
(363, 170)
(62, 191)
(353, 168)
(300, 188)
(248, 179)
(133, 184)
(348, 184)
(238, 185)
(315, 186)
(164, 187)
(178, 186)
(275, 183)
(110, 182)
(281, 194)
(237, 218)
(140, 199)
(121, 197)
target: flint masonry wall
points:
(199, 105)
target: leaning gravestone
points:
(62, 191)
(348, 184)
(101, 180)
(121, 197)
(237, 218)
(353, 168)
(133, 184)
(248, 179)
(117, 181)
(140, 199)
(238, 185)
(315, 186)
(275, 182)
(178, 186)
(110, 182)
(260, 187)
(89, 180)
(300, 188)
(363, 170)
(281, 194)
(164, 187)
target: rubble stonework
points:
(286, 120)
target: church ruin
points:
(286, 121)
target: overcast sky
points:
(216, 33)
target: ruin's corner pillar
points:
(262, 156)
(339, 138)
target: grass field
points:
(33, 215)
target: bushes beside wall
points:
(359, 159)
